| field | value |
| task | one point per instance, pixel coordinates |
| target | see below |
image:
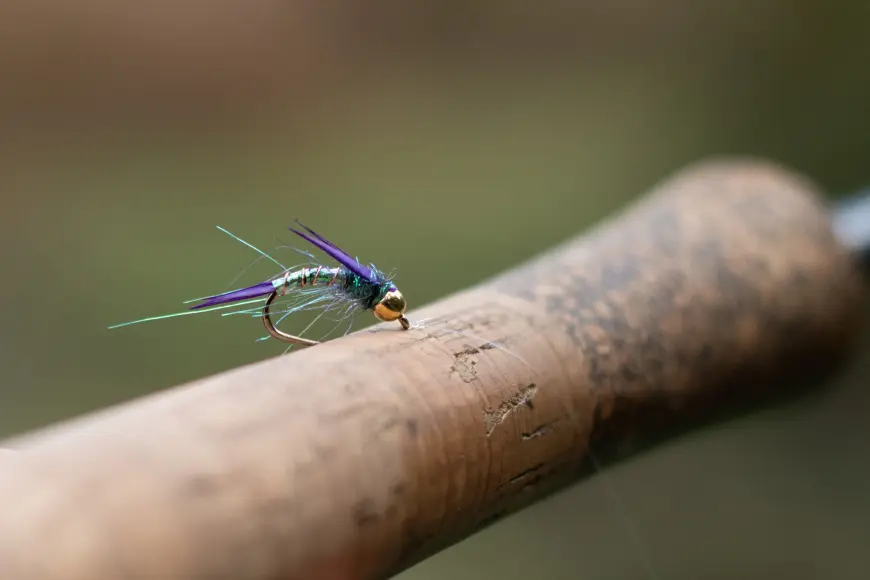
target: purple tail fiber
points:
(261, 289)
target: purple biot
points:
(337, 254)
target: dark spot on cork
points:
(365, 513)
(200, 485)
(390, 423)
(628, 373)
(541, 430)
(466, 352)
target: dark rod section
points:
(851, 224)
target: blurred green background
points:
(448, 140)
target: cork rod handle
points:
(360, 456)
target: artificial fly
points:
(348, 288)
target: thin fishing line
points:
(253, 247)
(316, 318)
(335, 300)
(245, 269)
(284, 244)
(185, 313)
(292, 306)
(337, 324)
(304, 253)
(301, 307)
(257, 259)
(290, 299)
(349, 327)
(298, 306)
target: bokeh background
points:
(448, 140)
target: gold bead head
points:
(392, 307)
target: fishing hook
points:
(279, 334)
